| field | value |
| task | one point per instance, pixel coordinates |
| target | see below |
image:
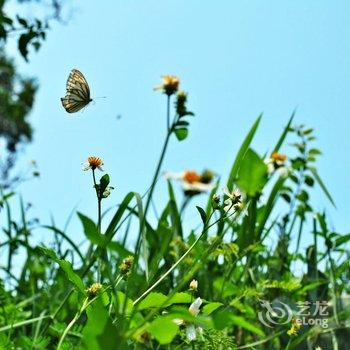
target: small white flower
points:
(195, 307)
(270, 165)
(234, 198)
(276, 162)
(191, 330)
(192, 182)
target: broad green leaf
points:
(180, 298)
(91, 230)
(99, 332)
(66, 267)
(152, 300)
(181, 133)
(241, 153)
(158, 299)
(163, 329)
(211, 307)
(104, 182)
(252, 174)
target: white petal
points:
(228, 201)
(270, 168)
(237, 192)
(191, 332)
(173, 176)
(86, 166)
(194, 307)
(196, 186)
(178, 321)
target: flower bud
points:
(126, 266)
(193, 285)
(93, 290)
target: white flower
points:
(277, 162)
(192, 182)
(270, 165)
(234, 198)
(93, 163)
(191, 330)
(195, 306)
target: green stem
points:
(98, 201)
(99, 216)
(71, 323)
(168, 113)
(160, 162)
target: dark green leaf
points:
(202, 214)
(181, 133)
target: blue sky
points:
(235, 58)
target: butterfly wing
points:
(78, 92)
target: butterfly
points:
(78, 92)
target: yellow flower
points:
(170, 84)
(295, 328)
(93, 163)
(93, 290)
(126, 266)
